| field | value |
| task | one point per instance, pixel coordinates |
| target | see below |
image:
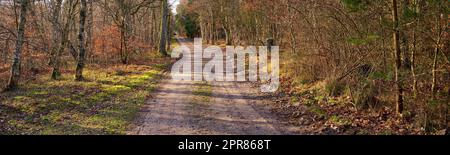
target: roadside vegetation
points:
(376, 65)
(106, 103)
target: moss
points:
(386, 132)
(319, 112)
(320, 98)
(294, 99)
(339, 121)
(161, 66)
(363, 132)
(39, 92)
(99, 97)
(333, 101)
(19, 98)
(141, 80)
(105, 104)
(115, 89)
(203, 92)
(309, 102)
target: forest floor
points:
(105, 103)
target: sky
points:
(174, 4)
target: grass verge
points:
(203, 92)
(104, 104)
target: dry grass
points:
(105, 103)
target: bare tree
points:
(398, 62)
(164, 26)
(122, 13)
(81, 46)
(15, 68)
(60, 32)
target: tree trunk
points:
(57, 38)
(291, 29)
(225, 27)
(155, 29)
(212, 26)
(169, 33)
(152, 30)
(447, 115)
(56, 73)
(15, 68)
(5, 58)
(61, 32)
(90, 25)
(227, 35)
(434, 72)
(123, 44)
(82, 50)
(164, 26)
(398, 61)
(60, 49)
(202, 28)
(413, 64)
(435, 59)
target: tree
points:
(122, 13)
(90, 25)
(60, 32)
(164, 26)
(398, 61)
(55, 6)
(186, 21)
(15, 68)
(81, 46)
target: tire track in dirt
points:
(229, 109)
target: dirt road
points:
(216, 108)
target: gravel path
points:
(231, 108)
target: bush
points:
(334, 87)
(365, 95)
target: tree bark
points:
(291, 28)
(152, 28)
(436, 56)
(164, 26)
(434, 72)
(56, 36)
(413, 64)
(82, 50)
(154, 31)
(123, 43)
(61, 35)
(169, 33)
(15, 68)
(398, 61)
(90, 25)
(447, 115)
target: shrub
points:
(365, 95)
(334, 87)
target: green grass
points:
(339, 120)
(318, 111)
(203, 92)
(105, 104)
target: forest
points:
(347, 66)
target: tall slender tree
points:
(60, 32)
(81, 46)
(397, 53)
(15, 68)
(164, 26)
